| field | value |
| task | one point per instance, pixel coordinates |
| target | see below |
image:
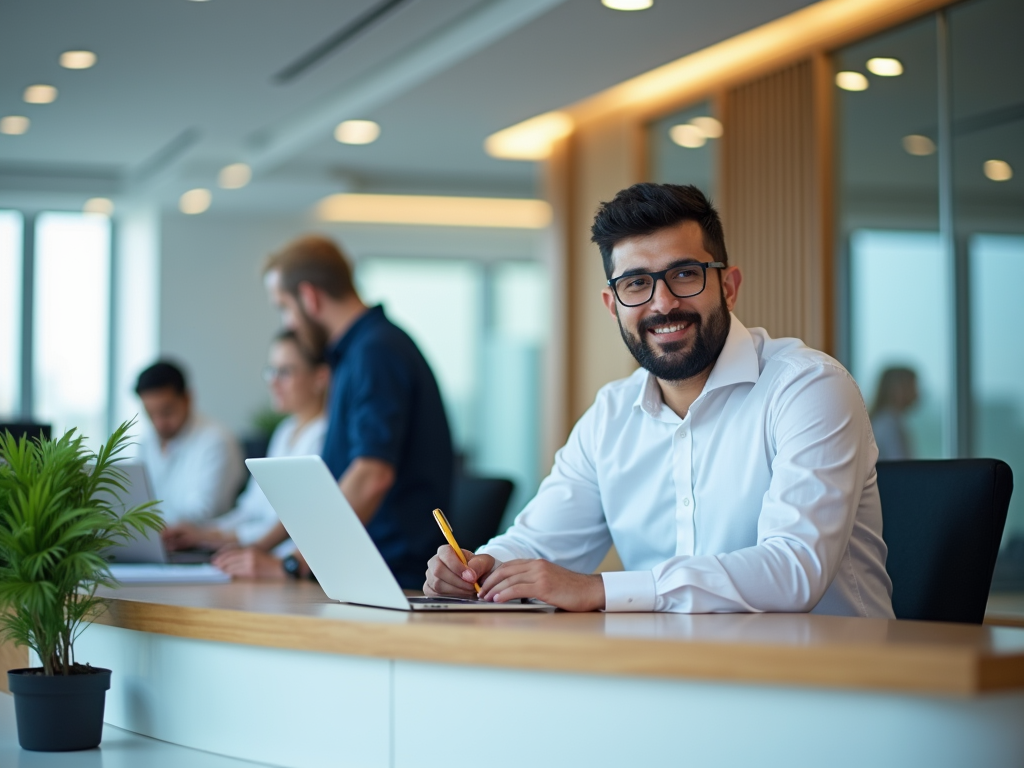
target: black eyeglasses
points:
(683, 281)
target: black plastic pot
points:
(58, 713)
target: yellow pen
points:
(446, 529)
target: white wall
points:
(214, 316)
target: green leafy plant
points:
(58, 513)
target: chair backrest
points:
(942, 522)
(478, 504)
(29, 429)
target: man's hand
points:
(190, 535)
(545, 581)
(448, 577)
(250, 563)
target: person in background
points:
(298, 384)
(897, 394)
(388, 442)
(194, 463)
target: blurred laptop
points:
(335, 544)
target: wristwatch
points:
(291, 566)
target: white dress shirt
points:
(763, 498)
(197, 474)
(253, 516)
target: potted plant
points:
(58, 513)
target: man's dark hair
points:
(312, 358)
(160, 375)
(645, 208)
(315, 260)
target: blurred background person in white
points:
(298, 387)
(194, 463)
(897, 394)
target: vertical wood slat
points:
(774, 201)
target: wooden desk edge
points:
(910, 668)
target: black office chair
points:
(30, 429)
(942, 522)
(478, 504)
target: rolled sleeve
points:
(629, 591)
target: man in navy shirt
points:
(387, 441)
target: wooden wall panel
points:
(11, 657)
(776, 201)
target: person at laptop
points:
(733, 472)
(387, 442)
(194, 463)
(298, 383)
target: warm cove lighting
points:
(357, 132)
(997, 170)
(14, 125)
(627, 5)
(531, 139)
(77, 59)
(918, 145)
(195, 201)
(884, 67)
(40, 94)
(100, 205)
(436, 211)
(687, 135)
(234, 176)
(851, 81)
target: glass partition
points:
(683, 148)
(10, 313)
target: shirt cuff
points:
(629, 591)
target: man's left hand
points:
(249, 563)
(545, 581)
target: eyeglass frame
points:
(704, 265)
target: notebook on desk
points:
(335, 543)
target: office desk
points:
(1005, 609)
(277, 674)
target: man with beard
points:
(733, 472)
(387, 439)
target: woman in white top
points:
(298, 386)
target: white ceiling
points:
(183, 88)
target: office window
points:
(683, 148)
(10, 312)
(71, 322)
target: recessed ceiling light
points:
(77, 59)
(915, 144)
(14, 125)
(40, 94)
(102, 205)
(687, 135)
(998, 170)
(234, 176)
(195, 201)
(885, 67)
(709, 126)
(357, 132)
(851, 81)
(627, 5)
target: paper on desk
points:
(177, 573)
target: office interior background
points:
(871, 177)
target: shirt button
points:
(684, 433)
(686, 502)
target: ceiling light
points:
(357, 132)
(436, 211)
(40, 94)
(627, 5)
(234, 176)
(916, 144)
(885, 67)
(531, 139)
(195, 201)
(710, 127)
(998, 170)
(851, 81)
(687, 135)
(77, 59)
(14, 125)
(101, 205)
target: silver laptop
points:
(335, 543)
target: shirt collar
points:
(336, 352)
(737, 364)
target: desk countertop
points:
(1005, 609)
(787, 649)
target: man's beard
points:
(674, 364)
(312, 336)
